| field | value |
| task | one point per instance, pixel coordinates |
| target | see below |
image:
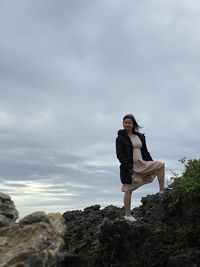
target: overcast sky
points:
(69, 72)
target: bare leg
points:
(161, 177)
(127, 202)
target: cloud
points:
(69, 71)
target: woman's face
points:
(128, 124)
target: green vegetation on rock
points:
(190, 179)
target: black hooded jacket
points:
(124, 151)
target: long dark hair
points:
(136, 125)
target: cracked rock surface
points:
(167, 233)
(33, 242)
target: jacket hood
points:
(121, 132)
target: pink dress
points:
(144, 171)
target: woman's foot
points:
(130, 218)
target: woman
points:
(136, 164)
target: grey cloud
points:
(69, 71)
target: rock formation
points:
(33, 242)
(8, 212)
(167, 233)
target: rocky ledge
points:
(33, 242)
(167, 233)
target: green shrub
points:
(190, 179)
